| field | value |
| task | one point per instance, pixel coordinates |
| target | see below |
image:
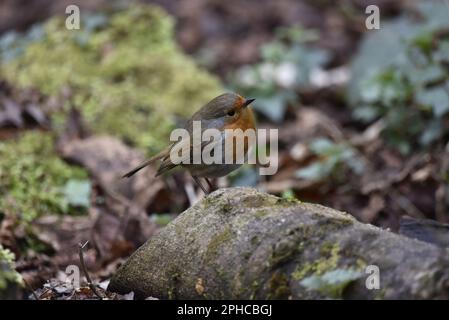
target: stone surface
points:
(242, 243)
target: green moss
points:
(126, 74)
(259, 201)
(380, 294)
(255, 240)
(283, 251)
(170, 294)
(327, 248)
(216, 242)
(360, 264)
(261, 213)
(287, 201)
(32, 177)
(254, 288)
(329, 261)
(278, 286)
(226, 207)
(8, 274)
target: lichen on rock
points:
(123, 70)
(294, 250)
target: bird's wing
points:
(160, 155)
(167, 164)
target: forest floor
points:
(223, 37)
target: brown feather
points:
(159, 156)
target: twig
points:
(442, 192)
(31, 289)
(118, 197)
(190, 192)
(83, 266)
(405, 204)
(43, 294)
(386, 182)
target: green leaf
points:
(272, 107)
(433, 131)
(77, 193)
(400, 74)
(332, 283)
(321, 146)
(8, 273)
(442, 54)
(436, 98)
(434, 12)
(332, 157)
(288, 194)
(366, 113)
(371, 91)
(428, 74)
(315, 171)
(162, 219)
(285, 68)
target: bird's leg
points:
(209, 183)
(198, 182)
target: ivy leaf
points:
(433, 131)
(321, 146)
(423, 76)
(271, 107)
(315, 171)
(436, 98)
(162, 219)
(366, 113)
(331, 283)
(331, 157)
(77, 193)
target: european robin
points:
(227, 111)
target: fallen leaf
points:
(199, 287)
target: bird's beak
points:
(247, 102)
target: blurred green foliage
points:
(162, 219)
(285, 68)
(288, 194)
(77, 193)
(35, 181)
(8, 274)
(124, 70)
(334, 159)
(401, 75)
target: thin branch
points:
(83, 266)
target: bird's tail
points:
(159, 156)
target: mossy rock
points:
(123, 70)
(33, 177)
(223, 248)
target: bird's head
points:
(229, 109)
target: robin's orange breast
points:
(245, 121)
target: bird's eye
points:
(231, 113)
